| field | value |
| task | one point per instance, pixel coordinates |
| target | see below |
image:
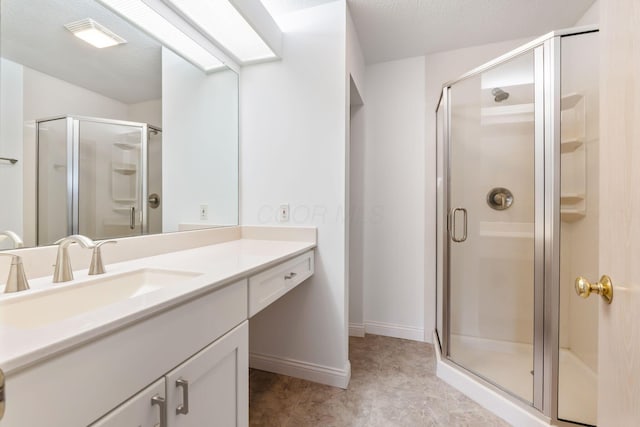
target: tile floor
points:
(393, 383)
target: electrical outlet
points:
(283, 213)
(204, 212)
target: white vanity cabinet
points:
(209, 389)
(212, 388)
(186, 364)
(142, 410)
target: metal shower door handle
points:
(452, 225)
(132, 218)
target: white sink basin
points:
(55, 304)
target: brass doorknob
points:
(604, 288)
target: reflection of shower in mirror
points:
(499, 94)
(95, 176)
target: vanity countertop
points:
(216, 265)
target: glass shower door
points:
(54, 189)
(491, 234)
(110, 179)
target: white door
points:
(619, 324)
(142, 410)
(212, 388)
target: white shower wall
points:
(579, 250)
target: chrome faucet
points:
(17, 241)
(17, 280)
(63, 271)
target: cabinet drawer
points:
(268, 286)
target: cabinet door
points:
(142, 410)
(212, 387)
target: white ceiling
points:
(394, 29)
(33, 34)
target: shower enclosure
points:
(517, 218)
(97, 177)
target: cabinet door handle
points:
(162, 405)
(184, 408)
(290, 276)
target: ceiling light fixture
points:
(150, 21)
(94, 33)
(221, 21)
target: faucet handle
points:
(17, 280)
(97, 266)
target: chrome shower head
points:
(499, 94)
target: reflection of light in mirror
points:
(221, 20)
(153, 23)
(95, 34)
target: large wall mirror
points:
(114, 141)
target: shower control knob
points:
(604, 288)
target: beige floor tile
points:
(393, 384)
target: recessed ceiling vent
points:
(94, 33)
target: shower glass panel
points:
(440, 212)
(491, 195)
(578, 354)
(109, 179)
(54, 201)
(155, 199)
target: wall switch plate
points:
(204, 212)
(283, 213)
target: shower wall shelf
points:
(571, 198)
(125, 146)
(570, 145)
(573, 163)
(570, 100)
(571, 215)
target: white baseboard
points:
(394, 330)
(491, 400)
(304, 370)
(356, 330)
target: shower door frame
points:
(73, 172)
(547, 88)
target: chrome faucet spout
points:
(63, 271)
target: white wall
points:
(394, 206)
(591, 16)
(11, 146)
(146, 112)
(200, 149)
(46, 96)
(355, 178)
(293, 151)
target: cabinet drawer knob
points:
(184, 408)
(290, 276)
(162, 405)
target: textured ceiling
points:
(394, 29)
(33, 34)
